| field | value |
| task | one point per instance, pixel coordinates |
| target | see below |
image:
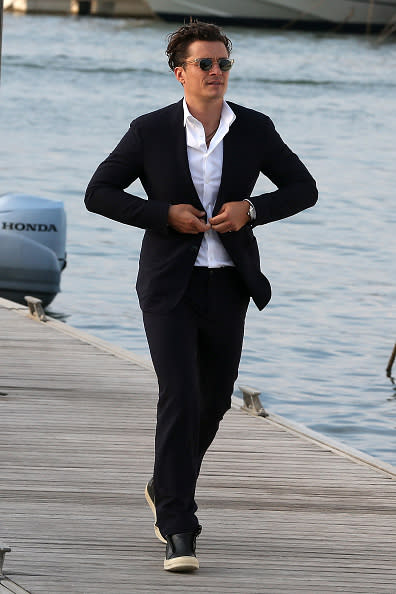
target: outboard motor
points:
(32, 247)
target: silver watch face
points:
(250, 212)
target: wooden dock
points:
(282, 512)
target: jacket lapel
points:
(230, 164)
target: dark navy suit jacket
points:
(154, 149)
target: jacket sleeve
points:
(296, 186)
(105, 193)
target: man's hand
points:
(187, 219)
(232, 217)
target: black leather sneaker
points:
(149, 495)
(180, 551)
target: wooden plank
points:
(9, 587)
(281, 512)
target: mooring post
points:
(391, 361)
(84, 7)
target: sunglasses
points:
(206, 64)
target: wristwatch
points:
(252, 211)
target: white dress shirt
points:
(206, 164)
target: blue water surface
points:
(318, 352)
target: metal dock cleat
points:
(251, 402)
(3, 551)
(36, 309)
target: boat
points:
(238, 12)
(32, 247)
(351, 13)
(358, 15)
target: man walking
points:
(198, 161)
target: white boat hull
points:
(377, 12)
(224, 9)
(353, 14)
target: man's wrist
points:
(252, 211)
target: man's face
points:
(198, 84)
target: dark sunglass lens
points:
(225, 64)
(206, 64)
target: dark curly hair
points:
(179, 41)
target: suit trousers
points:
(195, 349)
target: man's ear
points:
(179, 73)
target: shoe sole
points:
(152, 507)
(181, 564)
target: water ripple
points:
(318, 352)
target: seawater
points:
(318, 352)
